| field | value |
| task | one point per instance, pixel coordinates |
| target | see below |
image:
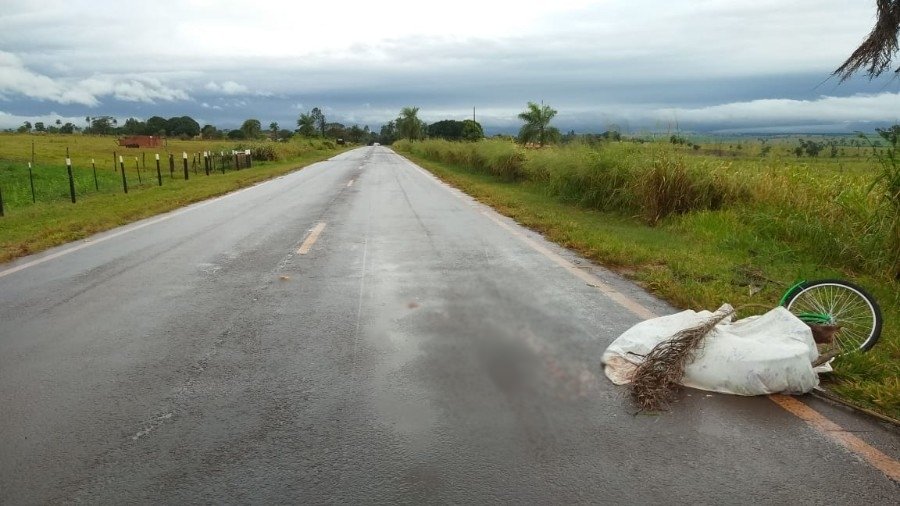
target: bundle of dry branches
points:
(876, 52)
(657, 379)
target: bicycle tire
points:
(849, 305)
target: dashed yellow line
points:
(311, 239)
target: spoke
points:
(845, 307)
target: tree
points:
(612, 135)
(306, 125)
(472, 131)
(335, 130)
(355, 134)
(273, 128)
(68, 128)
(39, 127)
(134, 126)
(812, 148)
(156, 125)
(453, 130)
(876, 52)
(183, 126)
(210, 132)
(102, 125)
(25, 128)
(318, 120)
(448, 129)
(251, 128)
(537, 124)
(409, 126)
(388, 133)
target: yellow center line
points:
(836, 433)
(311, 239)
(813, 418)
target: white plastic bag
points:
(772, 353)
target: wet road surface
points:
(357, 332)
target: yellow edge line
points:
(836, 433)
(311, 239)
(816, 420)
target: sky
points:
(637, 65)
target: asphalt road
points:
(421, 349)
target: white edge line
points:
(611, 293)
(153, 221)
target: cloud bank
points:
(709, 64)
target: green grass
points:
(700, 258)
(31, 227)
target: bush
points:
(669, 187)
(841, 218)
(277, 151)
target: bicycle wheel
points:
(844, 304)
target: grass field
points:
(699, 229)
(28, 227)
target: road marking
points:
(610, 292)
(350, 183)
(90, 241)
(311, 239)
(836, 433)
(813, 418)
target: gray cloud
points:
(715, 64)
(16, 79)
(227, 88)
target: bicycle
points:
(840, 313)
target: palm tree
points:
(877, 51)
(408, 124)
(306, 125)
(537, 124)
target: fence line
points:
(52, 185)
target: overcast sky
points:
(705, 65)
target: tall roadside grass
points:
(830, 214)
(50, 180)
(32, 224)
(651, 184)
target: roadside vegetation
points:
(700, 224)
(47, 218)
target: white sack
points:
(759, 355)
